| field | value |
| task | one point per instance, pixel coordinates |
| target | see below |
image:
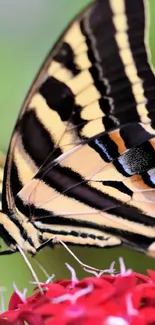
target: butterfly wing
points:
(81, 156)
(2, 164)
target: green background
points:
(28, 29)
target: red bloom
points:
(127, 298)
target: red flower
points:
(127, 298)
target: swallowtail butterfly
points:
(81, 161)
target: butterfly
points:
(81, 160)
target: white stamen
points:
(122, 265)
(73, 274)
(131, 310)
(114, 320)
(2, 289)
(73, 298)
(123, 269)
(50, 278)
(2, 304)
(36, 283)
(21, 295)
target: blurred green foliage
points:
(27, 32)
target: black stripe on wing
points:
(104, 55)
(65, 56)
(137, 41)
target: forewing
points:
(90, 125)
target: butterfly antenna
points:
(83, 265)
(41, 267)
(31, 269)
(58, 240)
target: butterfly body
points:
(81, 160)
